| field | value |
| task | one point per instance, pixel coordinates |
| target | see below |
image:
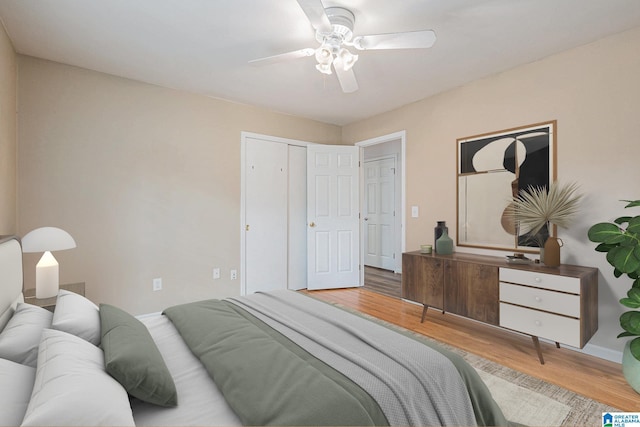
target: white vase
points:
(631, 367)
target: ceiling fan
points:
(334, 32)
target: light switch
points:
(414, 212)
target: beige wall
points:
(594, 94)
(146, 179)
(7, 135)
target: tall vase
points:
(440, 228)
(552, 251)
(444, 244)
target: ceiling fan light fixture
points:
(324, 68)
(346, 59)
(324, 55)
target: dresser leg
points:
(424, 312)
(557, 344)
(536, 344)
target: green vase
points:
(444, 244)
(631, 367)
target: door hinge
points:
(393, 170)
(394, 256)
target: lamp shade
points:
(47, 239)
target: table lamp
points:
(47, 239)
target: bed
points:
(278, 358)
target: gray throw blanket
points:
(412, 383)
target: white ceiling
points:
(204, 46)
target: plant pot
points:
(631, 367)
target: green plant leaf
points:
(604, 247)
(625, 334)
(628, 302)
(617, 273)
(635, 348)
(603, 232)
(623, 259)
(634, 225)
(630, 322)
(634, 294)
(622, 220)
(632, 203)
(636, 283)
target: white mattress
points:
(199, 400)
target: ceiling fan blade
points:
(347, 79)
(283, 57)
(407, 40)
(316, 14)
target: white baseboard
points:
(603, 353)
(595, 350)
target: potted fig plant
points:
(620, 240)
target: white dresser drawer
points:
(541, 280)
(541, 299)
(561, 329)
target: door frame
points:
(243, 187)
(402, 136)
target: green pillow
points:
(132, 358)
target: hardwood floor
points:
(382, 281)
(589, 376)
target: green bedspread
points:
(265, 378)
(286, 359)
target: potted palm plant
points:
(537, 208)
(620, 240)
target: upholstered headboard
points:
(10, 277)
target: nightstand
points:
(50, 303)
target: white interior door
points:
(379, 219)
(333, 242)
(266, 187)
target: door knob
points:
(246, 227)
(366, 218)
(312, 224)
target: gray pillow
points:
(15, 388)
(132, 358)
(72, 388)
(77, 316)
(19, 340)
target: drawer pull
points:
(538, 280)
(538, 323)
(538, 299)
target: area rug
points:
(534, 402)
(523, 399)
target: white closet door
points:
(297, 217)
(266, 171)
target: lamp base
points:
(47, 277)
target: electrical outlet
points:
(216, 273)
(234, 274)
(157, 284)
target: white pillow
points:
(72, 387)
(20, 338)
(78, 316)
(16, 383)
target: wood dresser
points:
(556, 303)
